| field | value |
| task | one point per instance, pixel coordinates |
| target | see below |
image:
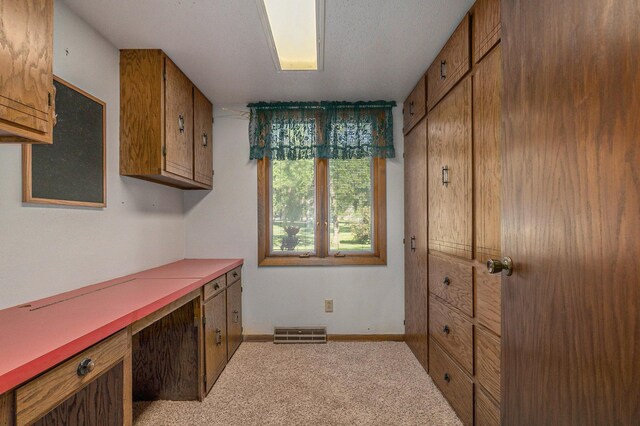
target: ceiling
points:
(374, 49)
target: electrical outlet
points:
(328, 305)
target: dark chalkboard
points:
(71, 171)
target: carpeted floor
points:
(333, 384)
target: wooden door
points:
(202, 140)
(415, 269)
(178, 122)
(234, 318)
(215, 337)
(450, 194)
(26, 67)
(571, 212)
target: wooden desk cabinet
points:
(26, 71)
(215, 337)
(165, 122)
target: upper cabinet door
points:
(26, 72)
(486, 27)
(178, 122)
(202, 138)
(450, 173)
(451, 64)
(415, 107)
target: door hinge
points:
(164, 151)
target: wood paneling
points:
(456, 386)
(234, 318)
(415, 106)
(7, 409)
(453, 331)
(26, 70)
(452, 282)
(166, 357)
(571, 212)
(215, 338)
(488, 290)
(487, 412)
(202, 138)
(40, 395)
(487, 92)
(488, 361)
(486, 27)
(178, 121)
(415, 246)
(141, 111)
(449, 140)
(99, 403)
(451, 64)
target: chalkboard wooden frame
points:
(27, 162)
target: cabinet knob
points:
(495, 266)
(446, 281)
(446, 329)
(447, 377)
(85, 367)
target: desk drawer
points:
(453, 331)
(215, 286)
(452, 282)
(234, 275)
(456, 386)
(44, 393)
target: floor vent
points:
(300, 335)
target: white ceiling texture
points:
(374, 49)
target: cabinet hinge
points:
(404, 322)
(403, 241)
(164, 151)
(403, 155)
(241, 289)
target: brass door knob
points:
(495, 266)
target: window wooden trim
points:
(322, 257)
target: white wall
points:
(223, 223)
(47, 250)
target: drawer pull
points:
(181, 123)
(447, 377)
(85, 367)
(235, 274)
(446, 281)
(235, 317)
(218, 337)
(205, 139)
(446, 329)
(413, 243)
(216, 287)
(445, 176)
(443, 70)
(411, 108)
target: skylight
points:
(295, 32)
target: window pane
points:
(350, 201)
(293, 206)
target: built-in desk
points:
(95, 347)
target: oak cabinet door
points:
(215, 337)
(202, 138)
(178, 122)
(234, 318)
(450, 172)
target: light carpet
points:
(338, 383)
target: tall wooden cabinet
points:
(165, 123)
(463, 186)
(26, 71)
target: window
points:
(320, 202)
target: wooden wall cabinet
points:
(415, 106)
(415, 237)
(450, 169)
(26, 71)
(163, 118)
(486, 27)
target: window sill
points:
(322, 261)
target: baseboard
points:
(335, 337)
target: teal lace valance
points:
(303, 130)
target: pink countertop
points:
(38, 335)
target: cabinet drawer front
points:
(44, 393)
(234, 275)
(456, 386)
(215, 286)
(453, 331)
(414, 107)
(488, 294)
(451, 64)
(486, 27)
(487, 413)
(452, 282)
(488, 361)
